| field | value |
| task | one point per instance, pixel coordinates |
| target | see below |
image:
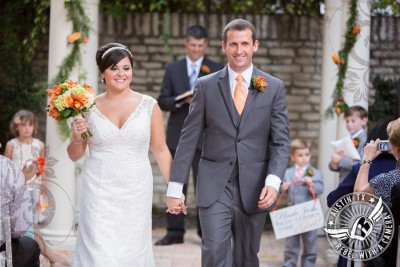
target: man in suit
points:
(242, 114)
(175, 83)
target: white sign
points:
(297, 219)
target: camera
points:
(384, 145)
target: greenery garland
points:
(80, 34)
(341, 59)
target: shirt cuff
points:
(175, 190)
(274, 181)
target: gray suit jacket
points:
(299, 193)
(258, 140)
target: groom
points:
(245, 152)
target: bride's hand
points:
(79, 126)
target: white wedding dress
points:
(116, 194)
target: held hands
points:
(267, 197)
(176, 205)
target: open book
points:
(346, 145)
(183, 96)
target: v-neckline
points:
(127, 119)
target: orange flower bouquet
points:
(68, 100)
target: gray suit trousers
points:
(231, 237)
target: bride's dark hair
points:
(110, 54)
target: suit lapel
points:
(184, 74)
(224, 88)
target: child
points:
(298, 180)
(28, 153)
(356, 118)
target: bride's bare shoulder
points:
(100, 98)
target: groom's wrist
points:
(274, 181)
(174, 190)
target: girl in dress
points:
(28, 153)
(117, 181)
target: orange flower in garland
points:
(77, 36)
(340, 105)
(356, 142)
(337, 60)
(309, 172)
(356, 29)
(205, 69)
(73, 37)
(259, 83)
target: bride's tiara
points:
(114, 48)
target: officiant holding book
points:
(175, 96)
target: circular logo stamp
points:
(359, 226)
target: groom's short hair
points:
(239, 25)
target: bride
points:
(117, 182)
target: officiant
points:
(175, 96)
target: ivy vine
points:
(341, 60)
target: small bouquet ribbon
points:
(309, 172)
(69, 100)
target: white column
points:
(331, 44)
(63, 186)
(357, 77)
(89, 67)
(356, 84)
(341, 130)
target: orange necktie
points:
(239, 96)
(299, 172)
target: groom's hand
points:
(176, 205)
(267, 197)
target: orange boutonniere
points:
(205, 69)
(259, 83)
(309, 172)
(356, 142)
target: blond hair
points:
(22, 116)
(393, 130)
(299, 144)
